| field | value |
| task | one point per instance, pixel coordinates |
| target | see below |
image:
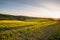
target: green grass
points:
(29, 30)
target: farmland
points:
(26, 30)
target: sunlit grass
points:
(22, 30)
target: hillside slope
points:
(22, 18)
(21, 30)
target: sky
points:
(34, 8)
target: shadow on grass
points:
(13, 28)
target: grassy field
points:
(29, 30)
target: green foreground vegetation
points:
(29, 30)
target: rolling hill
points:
(22, 18)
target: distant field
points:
(29, 30)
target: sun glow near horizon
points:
(50, 10)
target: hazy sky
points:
(35, 8)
